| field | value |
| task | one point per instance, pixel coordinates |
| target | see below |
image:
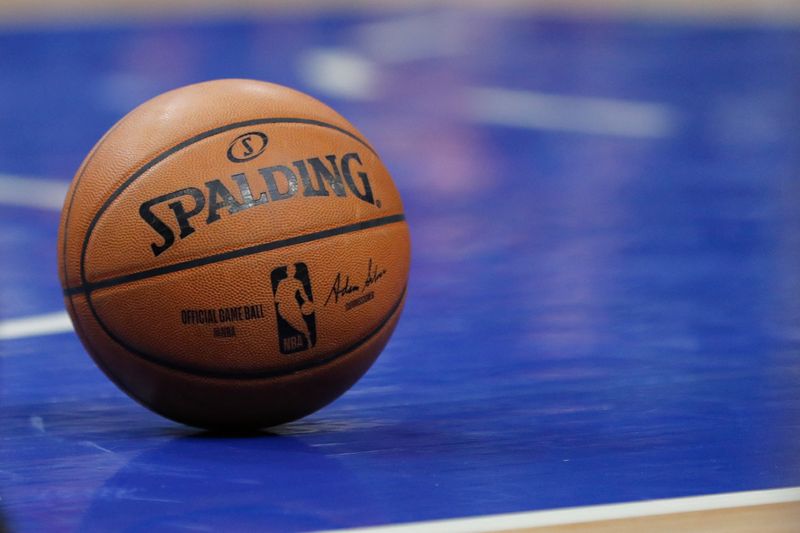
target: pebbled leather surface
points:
(181, 309)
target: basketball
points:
(233, 254)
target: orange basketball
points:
(233, 254)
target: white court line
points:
(541, 111)
(346, 74)
(32, 192)
(582, 515)
(32, 326)
(339, 72)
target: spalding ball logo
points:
(247, 146)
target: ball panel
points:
(222, 403)
(162, 123)
(243, 316)
(67, 211)
(195, 202)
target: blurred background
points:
(604, 303)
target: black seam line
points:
(232, 254)
(266, 374)
(68, 206)
(188, 142)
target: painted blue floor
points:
(591, 318)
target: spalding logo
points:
(326, 176)
(247, 146)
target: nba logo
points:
(294, 308)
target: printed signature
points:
(342, 286)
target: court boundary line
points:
(592, 115)
(35, 325)
(32, 192)
(588, 514)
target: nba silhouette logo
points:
(294, 308)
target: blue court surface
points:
(604, 302)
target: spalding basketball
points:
(233, 254)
